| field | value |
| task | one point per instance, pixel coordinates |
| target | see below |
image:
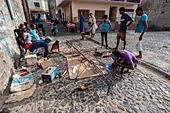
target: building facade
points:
(159, 13)
(38, 7)
(11, 15)
(71, 9)
(53, 8)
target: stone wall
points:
(8, 46)
(52, 8)
(159, 13)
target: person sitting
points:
(27, 39)
(19, 38)
(41, 44)
(71, 26)
(124, 59)
(87, 32)
(33, 32)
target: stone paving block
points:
(16, 97)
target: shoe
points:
(139, 56)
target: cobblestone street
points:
(139, 91)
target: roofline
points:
(99, 1)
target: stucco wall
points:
(98, 6)
(43, 4)
(8, 45)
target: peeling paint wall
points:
(8, 45)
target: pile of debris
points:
(24, 81)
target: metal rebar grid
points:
(96, 69)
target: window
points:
(130, 12)
(99, 14)
(37, 4)
(84, 12)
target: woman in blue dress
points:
(81, 23)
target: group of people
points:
(124, 57)
(28, 39)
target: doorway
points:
(113, 13)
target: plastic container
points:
(107, 67)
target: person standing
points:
(81, 22)
(92, 19)
(40, 24)
(140, 29)
(125, 20)
(104, 27)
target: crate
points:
(46, 63)
(49, 74)
(31, 59)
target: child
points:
(27, 39)
(55, 46)
(104, 27)
(126, 21)
(51, 26)
(55, 28)
(35, 36)
(86, 32)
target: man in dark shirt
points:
(41, 44)
(125, 20)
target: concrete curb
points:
(154, 69)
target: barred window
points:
(99, 14)
(84, 12)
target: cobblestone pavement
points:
(137, 92)
(156, 47)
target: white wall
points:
(43, 4)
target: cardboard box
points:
(46, 63)
(49, 74)
(21, 83)
(31, 59)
